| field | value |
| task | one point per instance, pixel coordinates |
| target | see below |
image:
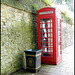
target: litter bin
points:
(33, 60)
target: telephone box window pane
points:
(51, 30)
(43, 25)
(44, 44)
(59, 29)
(58, 34)
(59, 25)
(40, 25)
(51, 24)
(44, 30)
(49, 44)
(48, 24)
(48, 20)
(48, 30)
(51, 19)
(45, 35)
(45, 49)
(48, 50)
(44, 40)
(48, 35)
(51, 34)
(51, 40)
(59, 39)
(48, 39)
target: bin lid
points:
(33, 50)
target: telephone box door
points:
(46, 30)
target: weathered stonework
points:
(67, 35)
(27, 5)
(17, 35)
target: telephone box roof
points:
(48, 8)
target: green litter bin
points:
(33, 60)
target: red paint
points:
(48, 35)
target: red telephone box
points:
(49, 35)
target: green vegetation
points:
(49, 2)
(66, 17)
(36, 6)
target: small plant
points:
(35, 7)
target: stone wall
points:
(67, 35)
(17, 34)
(26, 5)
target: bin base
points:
(33, 71)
